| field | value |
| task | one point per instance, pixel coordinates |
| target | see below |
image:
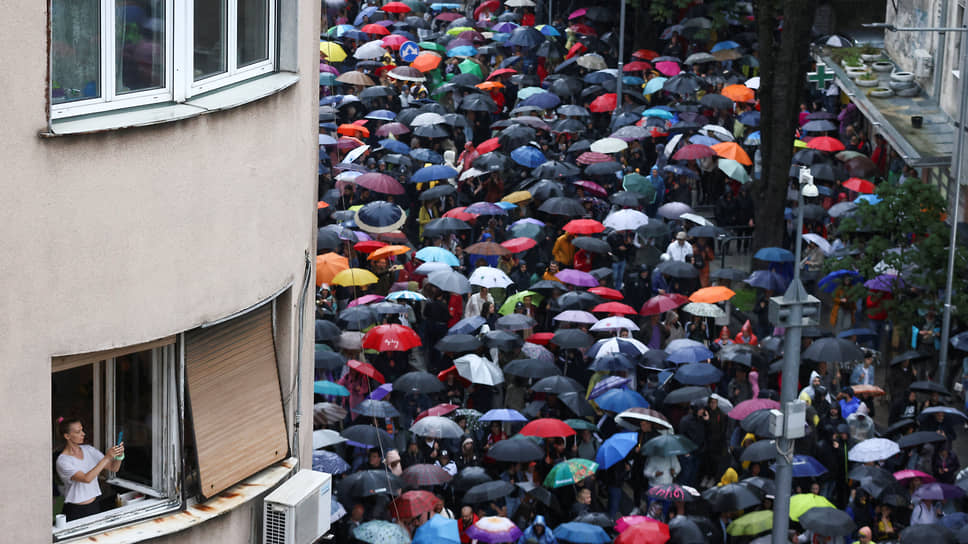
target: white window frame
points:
(179, 84)
(165, 493)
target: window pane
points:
(72, 395)
(140, 35)
(75, 50)
(253, 28)
(210, 44)
(133, 415)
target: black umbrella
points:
(948, 412)
(495, 161)
(731, 274)
(570, 126)
(326, 331)
(572, 339)
(418, 381)
(655, 359)
(628, 199)
(469, 477)
(545, 189)
(934, 533)
(757, 423)
(909, 355)
(763, 450)
(895, 495)
(431, 131)
(578, 300)
(488, 491)
(358, 318)
(515, 322)
(329, 360)
(521, 450)
(835, 350)
(375, 408)
(595, 245)
(678, 269)
(377, 91)
(559, 205)
(580, 146)
(540, 494)
(808, 157)
(601, 273)
(716, 101)
(813, 212)
(685, 83)
(503, 340)
(458, 343)
(827, 521)
(547, 285)
(439, 191)
(919, 438)
(368, 435)
(477, 102)
(576, 402)
(926, 386)
(685, 395)
(531, 368)
(667, 445)
(656, 229)
(571, 110)
(596, 518)
(603, 168)
(556, 385)
(326, 240)
(515, 136)
(683, 530)
(761, 485)
(555, 169)
(706, 231)
(730, 498)
(899, 426)
(444, 225)
(367, 483)
(872, 479)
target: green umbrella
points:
(470, 67)
(458, 29)
(801, 502)
(734, 170)
(526, 230)
(381, 532)
(416, 6)
(526, 92)
(508, 306)
(570, 472)
(667, 445)
(327, 79)
(432, 46)
(581, 425)
(751, 524)
(639, 184)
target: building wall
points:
(117, 238)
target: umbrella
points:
(570, 471)
(802, 502)
(556, 384)
(323, 438)
(831, 349)
(437, 530)
(649, 531)
(458, 343)
(391, 337)
(919, 438)
(747, 407)
(425, 475)
(581, 533)
(805, 466)
(413, 503)
(827, 521)
(934, 533)
(767, 279)
(697, 373)
(688, 351)
(615, 323)
(572, 339)
(763, 450)
(620, 400)
(485, 276)
(668, 445)
(873, 449)
(493, 529)
(632, 416)
(375, 408)
(660, 304)
(488, 491)
(628, 346)
(367, 434)
(515, 451)
(751, 524)
(532, 368)
(418, 381)
(327, 388)
(378, 531)
(450, 281)
(547, 428)
(516, 322)
(730, 497)
(615, 449)
(469, 477)
(477, 369)
(367, 483)
(937, 491)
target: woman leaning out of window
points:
(79, 466)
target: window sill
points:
(227, 501)
(221, 99)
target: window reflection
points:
(140, 45)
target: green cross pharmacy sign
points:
(820, 78)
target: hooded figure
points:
(746, 335)
(724, 338)
(537, 533)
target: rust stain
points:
(230, 495)
(159, 520)
(250, 485)
(204, 508)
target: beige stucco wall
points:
(117, 238)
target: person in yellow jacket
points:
(564, 250)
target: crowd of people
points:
(522, 334)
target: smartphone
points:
(120, 437)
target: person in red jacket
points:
(746, 335)
(467, 518)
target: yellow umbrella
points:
(328, 265)
(457, 30)
(800, 144)
(354, 277)
(333, 51)
(517, 197)
(801, 502)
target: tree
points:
(784, 58)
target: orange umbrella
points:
(490, 85)
(712, 295)
(732, 150)
(426, 61)
(386, 252)
(353, 130)
(320, 205)
(738, 93)
(328, 265)
(868, 390)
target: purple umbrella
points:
(487, 208)
(577, 277)
(381, 392)
(936, 491)
(328, 68)
(493, 529)
(502, 414)
(884, 282)
(611, 382)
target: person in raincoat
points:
(537, 533)
(746, 335)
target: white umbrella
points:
(348, 175)
(477, 369)
(592, 61)
(427, 119)
(492, 278)
(703, 309)
(352, 340)
(753, 83)
(615, 323)
(873, 449)
(356, 153)
(471, 173)
(634, 415)
(577, 316)
(614, 345)
(437, 427)
(370, 50)
(695, 218)
(717, 132)
(626, 220)
(609, 145)
(670, 147)
(519, 4)
(326, 437)
(820, 241)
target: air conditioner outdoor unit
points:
(298, 511)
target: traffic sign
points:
(409, 51)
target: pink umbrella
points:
(380, 183)
(576, 277)
(625, 522)
(394, 41)
(591, 157)
(592, 187)
(668, 68)
(365, 299)
(323, 67)
(747, 407)
(392, 128)
(908, 474)
(577, 13)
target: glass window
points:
(253, 31)
(140, 46)
(134, 415)
(210, 38)
(75, 50)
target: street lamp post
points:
(621, 56)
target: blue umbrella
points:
(340, 30)
(581, 533)
(356, 35)
(856, 332)
(365, 12)
(462, 51)
(324, 387)
(753, 139)
(468, 325)
(329, 462)
(528, 156)
(504, 28)
(632, 80)
(423, 154)
(395, 146)
(830, 282)
(702, 139)
(805, 466)
(441, 6)
(545, 101)
(654, 84)
(619, 400)
(526, 36)
(680, 171)
(955, 520)
(549, 30)
(689, 354)
(870, 199)
(434, 254)
(656, 112)
(433, 173)
(381, 115)
(698, 374)
(750, 118)
(596, 78)
(722, 46)
(437, 530)
(615, 449)
(960, 341)
(774, 255)
(502, 414)
(767, 279)
(506, 205)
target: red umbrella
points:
(860, 185)
(502, 72)
(366, 369)
(380, 183)
(413, 503)
(603, 103)
(607, 292)
(448, 16)
(637, 66)
(487, 5)
(488, 145)
(663, 303)
(825, 143)
(592, 187)
(459, 213)
(394, 41)
(439, 410)
(368, 246)
(541, 338)
(351, 129)
(591, 157)
(693, 151)
(391, 338)
(583, 226)
(747, 407)
(615, 308)
(348, 142)
(444, 374)
(396, 7)
(547, 428)
(583, 29)
(646, 54)
(648, 532)
(394, 128)
(517, 245)
(379, 30)
(576, 49)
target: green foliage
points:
(905, 232)
(665, 10)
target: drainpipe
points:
(939, 52)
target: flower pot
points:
(855, 71)
(882, 66)
(867, 82)
(881, 92)
(870, 58)
(896, 85)
(909, 91)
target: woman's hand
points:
(116, 451)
